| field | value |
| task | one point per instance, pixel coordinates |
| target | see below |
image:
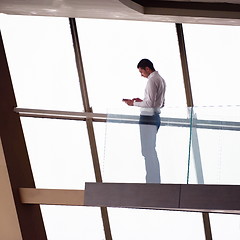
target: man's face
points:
(144, 72)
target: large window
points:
(43, 70)
(111, 50)
(213, 57)
(41, 60)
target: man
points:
(151, 104)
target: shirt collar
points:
(153, 73)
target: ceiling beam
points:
(164, 11)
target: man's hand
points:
(129, 102)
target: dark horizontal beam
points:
(181, 197)
(210, 6)
(197, 10)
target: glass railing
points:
(194, 145)
(215, 152)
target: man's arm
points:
(149, 99)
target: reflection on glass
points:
(148, 126)
(198, 145)
(123, 155)
(41, 61)
(215, 145)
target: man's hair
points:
(145, 63)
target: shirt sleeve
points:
(150, 95)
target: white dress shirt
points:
(154, 95)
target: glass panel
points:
(100, 132)
(72, 223)
(213, 56)
(59, 153)
(148, 224)
(111, 50)
(123, 159)
(41, 61)
(215, 145)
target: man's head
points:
(145, 67)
